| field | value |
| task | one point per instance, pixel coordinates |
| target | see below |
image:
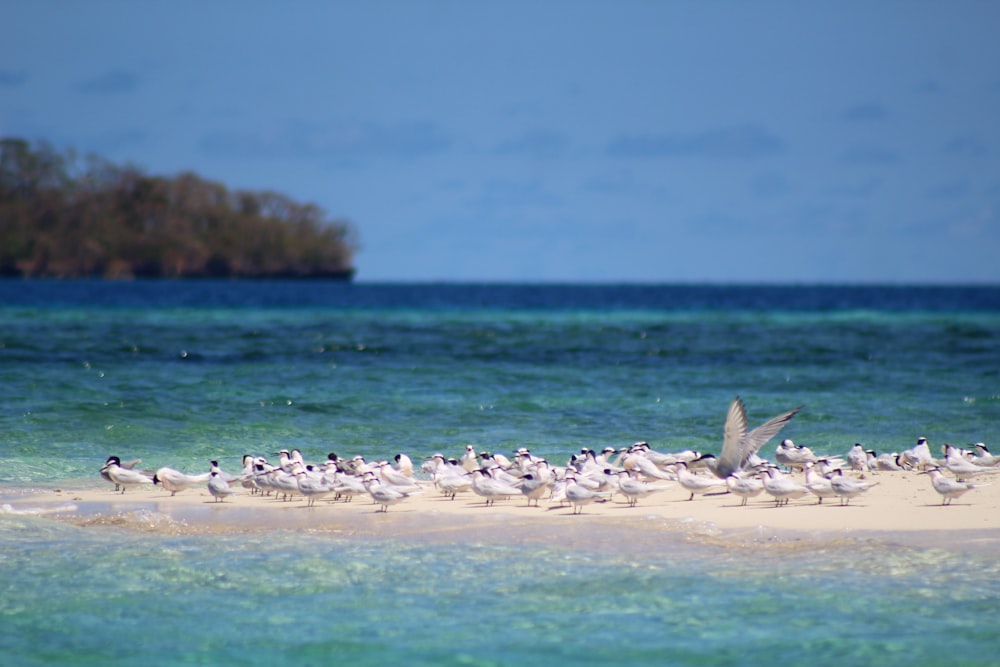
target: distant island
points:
(66, 217)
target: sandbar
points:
(903, 508)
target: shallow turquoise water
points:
(181, 373)
(115, 597)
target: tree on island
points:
(65, 217)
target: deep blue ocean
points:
(178, 373)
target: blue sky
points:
(555, 140)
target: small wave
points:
(67, 508)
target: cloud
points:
(739, 142)
(11, 78)
(338, 141)
(111, 82)
(865, 113)
(537, 144)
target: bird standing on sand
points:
(782, 488)
(964, 469)
(819, 485)
(744, 487)
(918, 456)
(123, 477)
(312, 485)
(948, 487)
(634, 489)
(384, 495)
(847, 487)
(174, 480)
(534, 486)
(793, 456)
(219, 487)
(127, 465)
(579, 495)
(485, 486)
(698, 484)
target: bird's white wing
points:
(734, 433)
(760, 435)
(738, 445)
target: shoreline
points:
(902, 509)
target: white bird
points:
(983, 456)
(639, 462)
(404, 464)
(175, 480)
(312, 485)
(124, 477)
(948, 487)
(347, 486)
(534, 486)
(127, 465)
(918, 456)
(963, 468)
(262, 475)
(283, 482)
(394, 477)
(744, 487)
(888, 462)
(793, 456)
(857, 458)
(608, 453)
(738, 445)
(469, 460)
(287, 460)
(359, 466)
(500, 473)
(496, 459)
(578, 495)
(452, 485)
(219, 487)
(485, 486)
(698, 484)
(634, 489)
(828, 465)
(781, 488)
(664, 459)
(585, 461)
(384, 495)
(847, 487)
(249, 478)
(818, 485)
(448, 476)
(213, 466)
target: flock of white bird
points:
(633, 472)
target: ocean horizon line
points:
(488, 282)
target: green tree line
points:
(69, 217)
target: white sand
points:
(903, 506)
